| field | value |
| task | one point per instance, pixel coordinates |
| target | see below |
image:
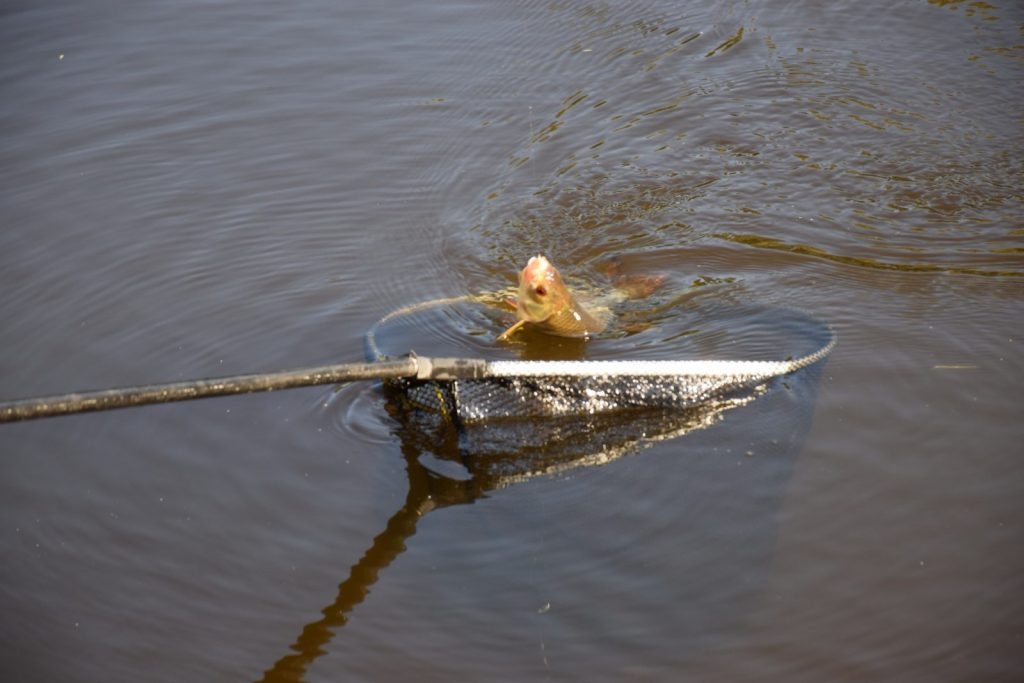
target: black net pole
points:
(81, 402)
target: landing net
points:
(482, 391)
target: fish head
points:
(542, 293)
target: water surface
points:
(195, 189)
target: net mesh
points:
(494, 454)
(522, 397)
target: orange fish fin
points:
(510, 331)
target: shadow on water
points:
(449, 463)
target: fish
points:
(545, 303)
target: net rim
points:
(634, 368)
(451, 368)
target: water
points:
(195, 189)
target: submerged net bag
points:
(546, 389)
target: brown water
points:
(194, 189)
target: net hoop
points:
(482, 369)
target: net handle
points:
(409, 367)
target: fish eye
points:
(541, 290)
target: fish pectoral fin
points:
(510, 331)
